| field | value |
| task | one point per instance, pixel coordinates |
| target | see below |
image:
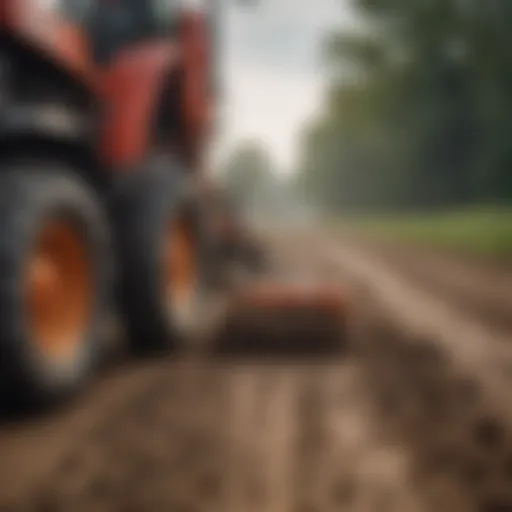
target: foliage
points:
(419, 109)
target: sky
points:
(271, 71)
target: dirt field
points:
(403, 422)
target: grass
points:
(482, 231)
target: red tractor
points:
(105, 113)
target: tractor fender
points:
(132, 87)
(39, 131)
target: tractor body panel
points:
(198, 77)
(55, 39)
(131, 88)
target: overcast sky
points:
(272, 79)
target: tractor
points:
(106, 111)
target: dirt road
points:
(399, 424)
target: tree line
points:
(418, 113)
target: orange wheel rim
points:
(181, 270)
(59, 290)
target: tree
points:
(419, 109)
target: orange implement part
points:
(180, 257)
(283, 319)
(293, 296)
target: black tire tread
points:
(140, 210)
(25, 193)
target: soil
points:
(391, 424)
(480, 287)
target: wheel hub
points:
(59, 290)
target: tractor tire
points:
(55, 284)
(158, 218)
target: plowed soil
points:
(390, 425)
